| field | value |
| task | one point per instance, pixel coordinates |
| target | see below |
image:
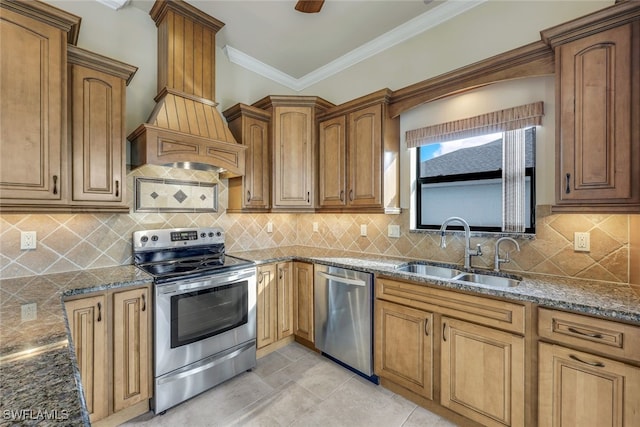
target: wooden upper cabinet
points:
(33, 103)
(359, 156)
(250, 127)
(332, 162)
(97, 105)
(598, 113)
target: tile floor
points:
(296, 387)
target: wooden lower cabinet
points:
(482, 373)
(303, 301)
(581, 389)
(404, 350)
(88, 326)
(274, 308)
(111, 335)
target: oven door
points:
(198, 318)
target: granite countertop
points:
(39, 378)
(615, 301)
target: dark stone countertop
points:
(39, 377)
(614, 301)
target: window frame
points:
(474, 176)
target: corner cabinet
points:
(293, 139)
(111, 337)
(303, 302)
(33, 103)
(97, 105)
(274, 308)
(598, 110)
(251, 192)
(358, 157)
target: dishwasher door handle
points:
(354, 282)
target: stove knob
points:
(144, 239)
(219, 233)
(211, 234)
(203, 235)
(154, 238)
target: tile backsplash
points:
(68, 242)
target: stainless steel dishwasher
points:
(343, 306)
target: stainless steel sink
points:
(430, 270)
(485, 279)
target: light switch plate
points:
(27, 240)
(269, 227)
(363, 229)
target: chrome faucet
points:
(497, 260)
(468, 252)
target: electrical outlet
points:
(29, 312)
(269, 227)
(315, 227)
(393, 230)
(581, 242)
(363, 230)
(28, 240)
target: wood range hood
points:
(185, 129)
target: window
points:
(471, 178)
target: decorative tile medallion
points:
(171, 195)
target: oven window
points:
(202, 314)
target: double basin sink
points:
(447, 273)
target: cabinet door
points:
(131, 348)
(365, 157)
(596, 96)
(266, 305)
(332, 160)
(87, 322)
(404, 346)
(285, 300)
(579, 389)
(482, 373)
(303, 300)
(97, 132)
(293, 157)
(32, 109)
(256, 180)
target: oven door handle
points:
(205, 364)
(208, 282)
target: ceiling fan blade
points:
(309, 6)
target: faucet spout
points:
(497, 260)
(468, 252)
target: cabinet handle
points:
(342, 195)
(260, 277)
(351, 195)
(596, 364)
(575, 331)
(444, 334)
(568, 188)
(117, 188)
(280, 274)
(99, 312)
(144, 303)
(248, 196)
(308, 196)
(55, 184)
(426, 327)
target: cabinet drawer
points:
(486, 311)
(600, 335)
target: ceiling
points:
(296, 49)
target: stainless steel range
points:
(204, 317)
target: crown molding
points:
(114, 4)
(409, 29)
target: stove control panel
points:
(177, 238)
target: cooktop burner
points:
(183, 253)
